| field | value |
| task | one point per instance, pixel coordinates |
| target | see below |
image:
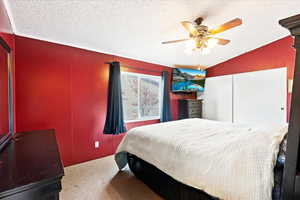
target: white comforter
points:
(228, 161)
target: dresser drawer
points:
(195, 115)
(194, 110)
(190, 108)
(195, 103)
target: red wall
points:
(65, 88)
(274, 55)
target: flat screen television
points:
(188, 80)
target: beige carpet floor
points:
(101, 180)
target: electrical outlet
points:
(97, 144)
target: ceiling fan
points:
(200, 37)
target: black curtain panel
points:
(114, 123)
(166, 111)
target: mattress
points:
(212, 156)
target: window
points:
(141, 96)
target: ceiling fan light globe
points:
(205, 51)
(190, 44)
(212, 42)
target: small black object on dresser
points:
(189, 108)
(30, 167)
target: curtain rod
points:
(141, 69)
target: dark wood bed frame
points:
(291, 175)
(289, 188)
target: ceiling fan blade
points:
(174, 41)
(221, 41)
(190, 27)
(228, 25)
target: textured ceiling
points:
(136, 28)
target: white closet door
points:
(260, 97)
(217, 98)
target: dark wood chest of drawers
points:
(30, 167)
(189, 108)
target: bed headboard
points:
(291, 175)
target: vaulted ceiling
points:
(136, 28)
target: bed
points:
(169, 188)
(215, 157)
(277, 180)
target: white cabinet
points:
(258, 97)
(217, 98)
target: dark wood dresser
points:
(189, 108)
(31, 168)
